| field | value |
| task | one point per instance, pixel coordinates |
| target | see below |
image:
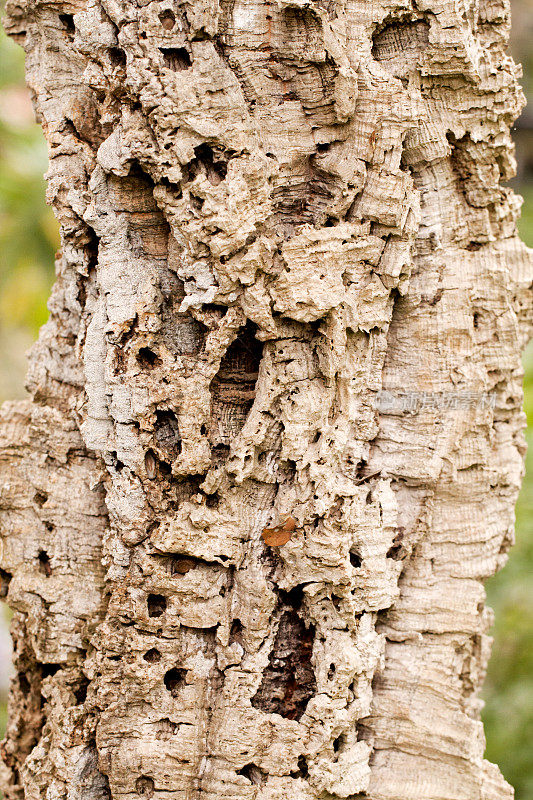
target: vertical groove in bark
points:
(275, 438)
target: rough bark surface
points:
(275, 438)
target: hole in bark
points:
(81, 692)
(233, 387)
(5, 579)
(176, 58)
(337, 743)
(355, 560)
(147, 358)
(289, 680)
(252, 773)
(201, 35)
(304, 202)
(149, 464)
(172, 187)
(167, 19)
(117, 56)
(166, 729)
(144, 786)
(24, 683)
(138, 179)
(47, 670)
(396, 44)
(157, 605)
(293, 598)
(475, 319)
(219, 453)
(331, 671)
(397, 551)
(40, 497)
(152, 656)
(214, 167)
(91, 782)
(174, 680)
(165, 468)
(167, 434)
(44, 563)
(212, 500)
(363, 733)
(302, 25)
(117, 464)
(195, 202)
(182, 564)
(236, 631)
(303, 770)
(68, 22)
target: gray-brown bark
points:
(275, 438)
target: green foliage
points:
(525, 223)
(28, 230)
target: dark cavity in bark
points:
(233, 387)
(289, 680)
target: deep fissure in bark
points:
(289, 680)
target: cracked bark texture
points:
(290, 296)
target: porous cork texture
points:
(290, 297)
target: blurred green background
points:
(28, 239)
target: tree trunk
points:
(275, 439)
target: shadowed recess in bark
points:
(144, 786)
(304, 199)
(176, 58)
(233, 387)
(152, 656)
(252, 773)
(289, 679)
(302, 25)
(167, 19)
(397, 44)
(157, 605)
(117, 56)
(68, 22)
(93, 785)
(44, 563)
(174, 680)
(26, 710)
(5, 579)
(81, 692)
(167, 434)
(155, 467)
(147, 358)
(206, 162)
(395, 41)
(165, 729)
